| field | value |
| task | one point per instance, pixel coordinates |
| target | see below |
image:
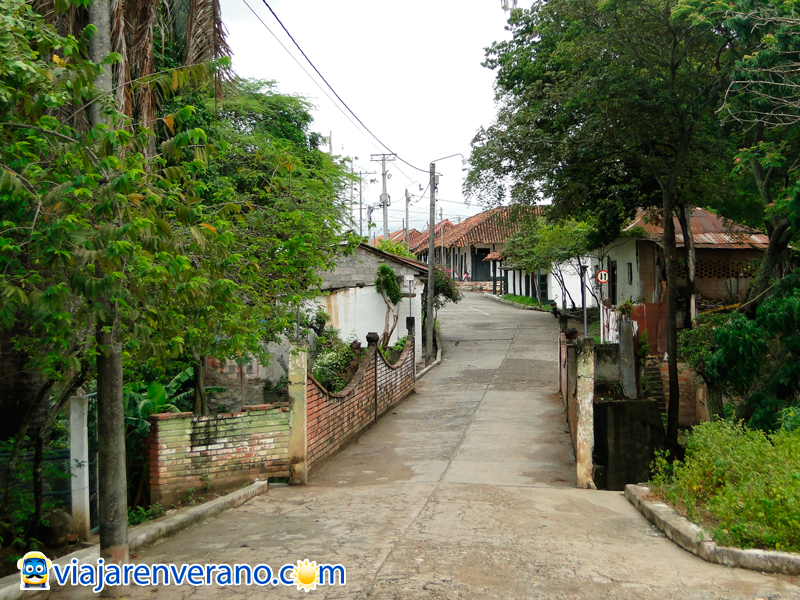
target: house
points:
(348, 295)
(352, 302)
(726, 259)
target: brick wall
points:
(224, 450)
(334, 419)
(687, 409)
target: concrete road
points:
(466, 491)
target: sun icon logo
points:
(306, 575)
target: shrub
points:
(742, 485)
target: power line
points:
(313, 66)
(299, 64)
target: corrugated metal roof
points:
(709, 230)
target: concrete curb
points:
(147, 533)
(424, 371)
(514, 304)
(694, 539)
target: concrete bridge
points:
(465, 491)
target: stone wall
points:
(334, 419)
(217, 452)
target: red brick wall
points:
(334, 419)
(687, 406)
(223, 451)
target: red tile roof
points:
(710, 231)
(492, 226)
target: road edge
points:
(694, 539)
(424, 371)
(144, 534)
(514, 304)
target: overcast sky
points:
(410, 70)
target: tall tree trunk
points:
(200, 396)
(111, 477)
(111, 474)
(780, 235)
(671, 259)
(685, 218)
(38, 484)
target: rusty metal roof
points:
(709, 230)
(493, 256)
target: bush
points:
(330, 360)
(742, 485)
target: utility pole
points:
(369, 218)
(330, 144)
(429, 303)
(408, 202)
(384, 196)
(361, 202)
(441, 233)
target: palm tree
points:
(188, 32)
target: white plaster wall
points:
(624, 253)
(572, 282)
(361, 310)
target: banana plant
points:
(142, 401)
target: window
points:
(630, 273)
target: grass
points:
(523, 300)
(741, 485)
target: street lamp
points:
(429, 304)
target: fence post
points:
(372, 344)
(298, 437)
(627, 360)
(584, 440)
(79, 464)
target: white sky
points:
(411, 70)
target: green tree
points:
(610, 100)
(396, 248)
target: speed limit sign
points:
(602, 276)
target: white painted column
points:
(79, 464)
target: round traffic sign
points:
(602, 276)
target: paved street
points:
(465, 491)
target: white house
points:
(355, 306)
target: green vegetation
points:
(739, 484)
(524, 300)
(143, 231)
(445, 290)
(387, 286)
(333, 361)
(396, 248)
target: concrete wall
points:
(361, 268)
(626, 436)
(223, 451)
(245, 382)
(336, 419)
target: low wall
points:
(335, 419)
(223, 451)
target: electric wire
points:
(313, 66)
(311, 77)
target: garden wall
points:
(334, 419)
(223, 451)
